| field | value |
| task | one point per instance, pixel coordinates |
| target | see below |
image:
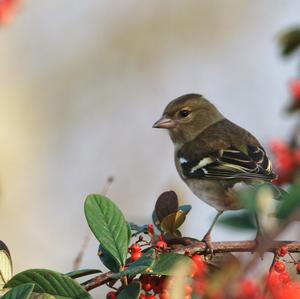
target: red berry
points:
(284, 277)
(142, 296)
(200, 266)
(279, 267)
(188, 297)
(200, 286)
(288, 285)
(111, 295)
(164, 295)
(283, 250)
(298, 268)
(151, 297)
(150, 229)
(272, 280)
(135, 256)
(135, 248)
(294, 87)
(197, 259)
(144, 279)
(146, 283)
(161, 245)
(188, 289)
(8, 9)
(157, 284)
(147, 286)
(248, 289)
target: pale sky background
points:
(81, 84)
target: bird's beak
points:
(164, 123)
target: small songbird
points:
(213, 156)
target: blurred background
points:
(81, 84)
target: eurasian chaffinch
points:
(213, 156)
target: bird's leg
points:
(259, 235)
(207, 236)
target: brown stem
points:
(195, 246)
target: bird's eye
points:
(184, 113)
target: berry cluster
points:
(201, 281)
(159, 286)
(287, 161)
(279, 283)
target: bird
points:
(215, 157)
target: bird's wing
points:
(230, 164)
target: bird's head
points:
(187, 116)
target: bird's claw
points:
(209, 247)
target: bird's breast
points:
(215, 194)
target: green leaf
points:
(83, 272)
(46, 296)
(172, 222)
(138, 228)
(290, 203)
(185, 208)
(156, 221)
(290, 41)
(131, 292)
(5, 265)
(129, 234)
(108, 225)
(108, 260)
(165, 263)
(20, 292)
(240, 221)
(50, 282)
(139, 266)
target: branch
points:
(236, 246)
(191, 246)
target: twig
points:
(196, 246)
(98, 281)
(78, 259)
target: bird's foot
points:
(209, 247)
(259, 240)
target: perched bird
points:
(213, 156)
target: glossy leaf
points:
(108, 225)
(172, 222)
(20, 292)
(165, 263)
(129, 233)
(155, 221)
(290, 41)
(50, 282)
(138, 229)
(5, 265)
(185, 208)
(139, 266)
(108, 260)
(46, 296)
(166, 204)
(83, 272)
(131, 292)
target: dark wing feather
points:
(230, 164)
